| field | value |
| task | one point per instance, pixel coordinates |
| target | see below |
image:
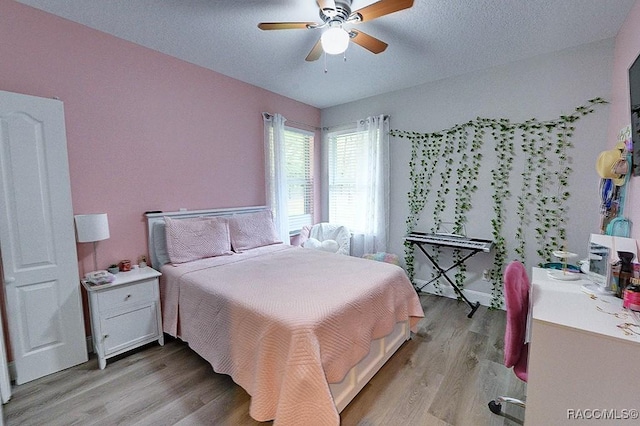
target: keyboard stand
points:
(443, 273)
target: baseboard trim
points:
(447, 291)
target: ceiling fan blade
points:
(327, 6)
(370, 43)
(315, 53)
(285, 25)
(381, 8)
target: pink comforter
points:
(285, 321)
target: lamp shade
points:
(92, 227)
(334, 41)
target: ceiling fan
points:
(334, 13)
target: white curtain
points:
(375, 177)
(276, 172)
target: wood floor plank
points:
(115, 397)
(68, 384)
(175, 409)
(445, 375)
(460, 375)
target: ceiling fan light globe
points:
(335, 41)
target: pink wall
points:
(145, 131)
(626, 51)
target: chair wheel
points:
(495, 407)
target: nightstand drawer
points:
(141, 291)
(126, 328)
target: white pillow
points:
(331, 246)
(312, 243)
(160, 244)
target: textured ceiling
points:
(435, 39)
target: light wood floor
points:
(445, 375)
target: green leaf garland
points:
(449, 163)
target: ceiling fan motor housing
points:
(340, 15)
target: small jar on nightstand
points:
(125, 314)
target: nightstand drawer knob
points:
(128, 296)
(105, 336)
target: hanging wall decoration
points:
(444, 174)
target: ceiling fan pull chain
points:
(325, 63)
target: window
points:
(298, 147)
(288, 175)
(347, 187)
(298, 162)
(358, 175)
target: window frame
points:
(297, 221)
(333, 138)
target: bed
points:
(301, 330)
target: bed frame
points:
(381, 349)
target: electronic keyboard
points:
(474, 245)
(450, 240)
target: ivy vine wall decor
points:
(445, 168)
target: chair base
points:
(496, 405)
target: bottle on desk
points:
(626, 272)
(632, 295)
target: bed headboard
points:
(155, 227)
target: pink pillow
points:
(193, 239)
(252, 230)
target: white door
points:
(37, 238)
(5, 383)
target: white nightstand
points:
(125, 314)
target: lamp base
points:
(95, 256)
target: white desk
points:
(582, 367)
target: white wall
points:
(543, 87)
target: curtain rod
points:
(347, 125)
(297, 123)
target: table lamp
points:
(91, 228)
